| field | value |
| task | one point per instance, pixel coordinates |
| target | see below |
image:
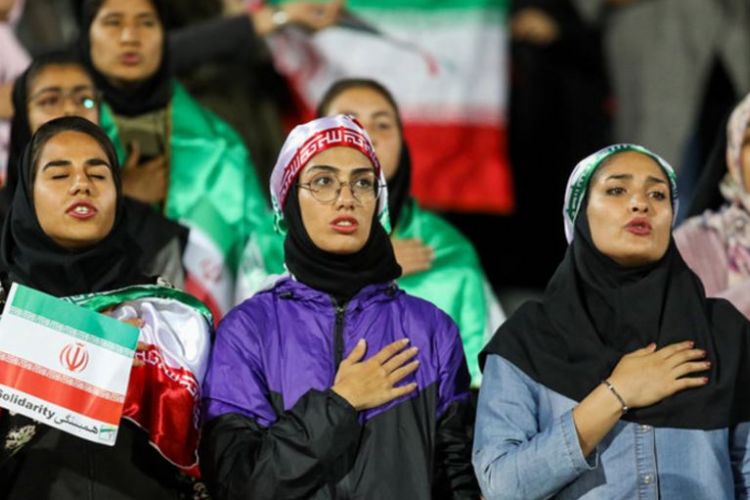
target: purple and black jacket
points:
(274, 429)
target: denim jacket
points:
(526, 446)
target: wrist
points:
(616, 395)
(344, 394)
(342, 401)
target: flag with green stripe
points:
(63, 365)
(446, 62)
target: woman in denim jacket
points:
(625, 381)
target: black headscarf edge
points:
(29, 256)
(150, 95)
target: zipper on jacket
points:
(343, 489)
(338, 336)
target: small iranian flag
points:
(63, 365)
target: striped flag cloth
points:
(446, 63)
(164, 393)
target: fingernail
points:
(360, 341)
(691, 343)
(405, 341)
(414, 349)
(707, 363)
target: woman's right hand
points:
(371, 383)
(313, 16)
(646, 376)
(147, 181)
(412, 255)
(534, 25)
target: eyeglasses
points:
(326, 187)
(53, 100)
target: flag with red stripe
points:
(63, 365)
(446, 63)
(164, 393)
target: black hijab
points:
(150, 229)
(20, 128)
(399, 187)
(707, 193)
(341, 276)
(30, 257)
(149, 95)
(594, 311)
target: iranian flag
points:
(164, 393)
(446, 63)
(63, 365)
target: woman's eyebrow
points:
(619, 177)
(56, 163)
(327, 168)
(51, 88)
(96, 162)
(655, 180)
(363, 170)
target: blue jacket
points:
(526, 446)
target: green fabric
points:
(263, 257)
(105, 300)
(68, 319)
(212, 183)
(455, 283)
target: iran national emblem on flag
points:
(63, 365)
(66, 365)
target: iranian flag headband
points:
(578, 182)
(307, 140)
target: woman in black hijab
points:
(193, 164)
(66, 235)
(84, 249)
(625, 380)
(57, 84)
(67, 89)
(332, 382)
(439, 263)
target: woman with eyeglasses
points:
(57, 84)
(334, 383)
(439, 264)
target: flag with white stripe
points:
(63, 365)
